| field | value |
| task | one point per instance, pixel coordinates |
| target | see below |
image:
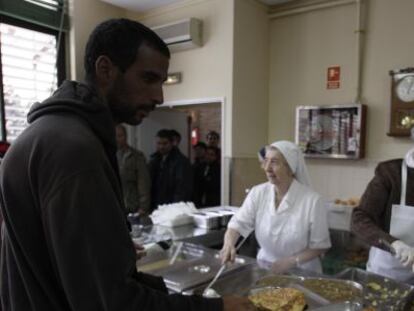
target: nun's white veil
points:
(295, 159)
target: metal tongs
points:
(208, 291)
(388, 246)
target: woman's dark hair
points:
(119, 39)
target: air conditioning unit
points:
(181, 35)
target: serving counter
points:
(352, 289)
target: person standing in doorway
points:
(176, 138)
(170, 172)
(213, 139)
(135, 178)
(199, 153)
(207, 180)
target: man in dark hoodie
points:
(65, 242)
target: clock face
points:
(405, 89)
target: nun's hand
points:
(404, 253)
(227, 253)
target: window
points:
(31, 64)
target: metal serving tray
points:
(225, 213)
(231, 284)
(380, 292)
(208, 220)
(329, 289)
(253, 278)
(195, 265)
(346, 306)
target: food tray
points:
(207, 220)
(379, 292)
(335, 291)
(331, 290)
(280, 280)
(224, 212)
(313, 301)
(346, 306)
(407, 304)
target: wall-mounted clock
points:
(402, 102)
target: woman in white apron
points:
(289, 218)
(386, 214)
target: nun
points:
(288, 217)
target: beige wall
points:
(250, 78)
(84, 16)
(250, 95)
(304, 45)
(207, 71)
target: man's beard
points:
(122, 112)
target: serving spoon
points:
(208, 291)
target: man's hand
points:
(234, 303)
(404, 253)
(283, 264)
(227, 253)
(139, 250)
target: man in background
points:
(199, 153)
(213, 139)
(176, 138)
(207, 180)
(135, 178)
(65, 241)
(170, 172)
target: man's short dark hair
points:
(213, 134)
(164, 133)
(119, 39)
(175, 133)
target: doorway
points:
(193, 120)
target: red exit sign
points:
(333, 77)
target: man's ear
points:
(105, 70)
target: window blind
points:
(29, 73)
(47, 13)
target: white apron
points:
(401, 227)
(281, 235)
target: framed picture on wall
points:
(331, 131)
